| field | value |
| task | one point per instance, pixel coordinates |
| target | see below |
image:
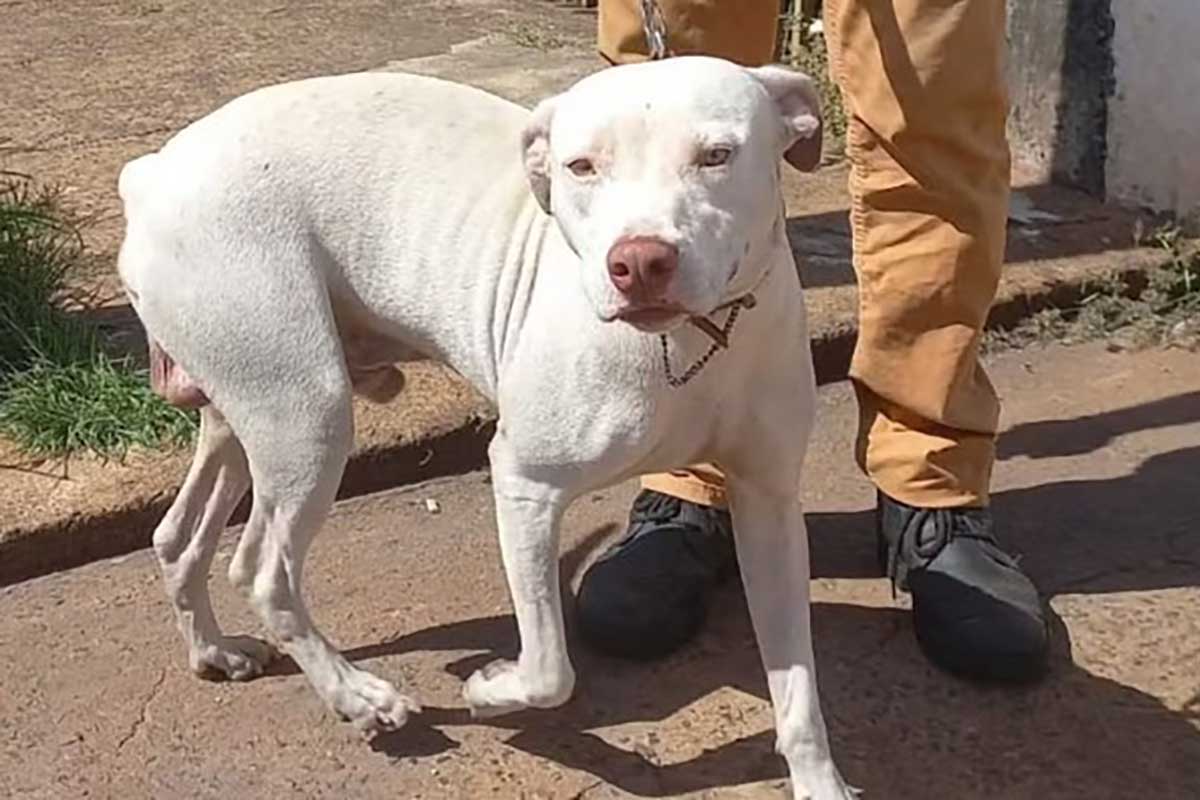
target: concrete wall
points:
(1060, 77)
(1106, 97)
(1154, 115)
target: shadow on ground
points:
(1082, 435)
(901, 728)
(1134, 532)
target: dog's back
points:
(340, 180)
(362, 139)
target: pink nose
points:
(641, 267)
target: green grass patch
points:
(38, 250)
(102, 406)
(1159, 308)
(61, 391)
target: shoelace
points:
(662, 509)
(926, 533)
(656, 508)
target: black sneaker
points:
(648, 595)
(974, 611)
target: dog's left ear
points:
(799, 106)
(535, 147)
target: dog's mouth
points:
(652, 318)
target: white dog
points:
(283, 251)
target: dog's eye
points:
(716, 156)
(582, 167)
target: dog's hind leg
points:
(297, 441)
(185, 541)
(230, 281)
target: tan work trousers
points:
(924, 90)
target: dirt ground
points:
(1096, 489)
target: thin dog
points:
(611, 270)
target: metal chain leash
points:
(654, 29)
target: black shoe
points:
(975, 612)
(648, 595)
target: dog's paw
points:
(494, 690)
(501, 688)
(236, 658)
(835, 793)
(827, 785)
(372, 704)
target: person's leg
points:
(924, 89)
(648, 594)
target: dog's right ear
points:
(535, 145)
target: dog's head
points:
(664, 179)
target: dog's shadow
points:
(899, 727)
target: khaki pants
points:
(923, 85)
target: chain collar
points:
(720, 340)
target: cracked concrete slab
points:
(1095, 490)
(499, 64)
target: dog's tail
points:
(133, 175)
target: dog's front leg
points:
(772, 549)
(528, 514)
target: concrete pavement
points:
(1097, 490)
